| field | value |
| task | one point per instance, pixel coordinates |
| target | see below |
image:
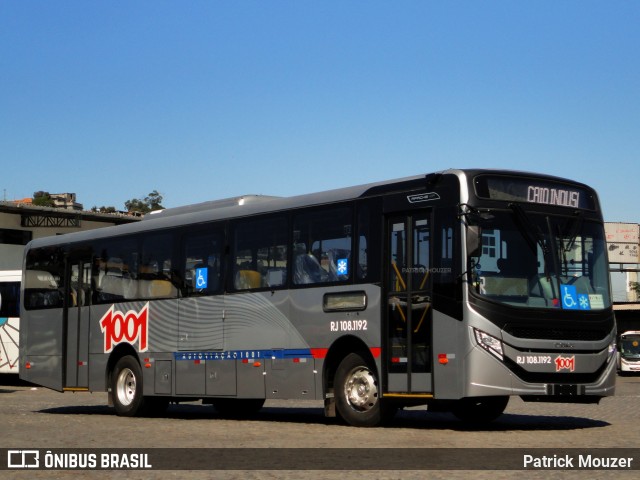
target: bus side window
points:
(115, 271)
(156, 275)
(44, 273)
(201, 259)
(9, 299)
(322, 246)
(260, 254)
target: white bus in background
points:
(629, 352)
(9, 319)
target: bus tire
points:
(480, 409)
(126, 387)
(357, 392)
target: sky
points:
(203, 100)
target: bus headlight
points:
(489, 343)
(612, 352)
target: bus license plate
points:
(565, 390)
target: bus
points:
(629, 352)
(455, 290)
(9, 320)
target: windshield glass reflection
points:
(542, 261)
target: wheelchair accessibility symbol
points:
(569, 297)
(202, 277)
(572, 300)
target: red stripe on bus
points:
(319, 352)
(322, 352)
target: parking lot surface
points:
(36, 418)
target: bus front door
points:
(408, 304)
(77, 301)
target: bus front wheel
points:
(357, 392)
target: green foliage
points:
(42, 199)
(151, 202)
(104, 209)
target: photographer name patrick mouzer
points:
(577, 461)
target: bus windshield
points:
(537, 260)
(630, 346)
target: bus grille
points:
(557, 378)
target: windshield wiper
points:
(532, 237)
(573, 235)
(577, 226)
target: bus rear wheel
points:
(126, 391)
(480, 409)
(126, 387)
(357, 392)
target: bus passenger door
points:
(76, 317)
(408, 304)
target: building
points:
(623, 245)
(66, 201)
(21, 222)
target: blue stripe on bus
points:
(244, 354)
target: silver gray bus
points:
(456, 289)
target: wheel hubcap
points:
(126, 387)
(361, 389)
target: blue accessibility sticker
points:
(202, 278)
(572, 300)
(569, 297)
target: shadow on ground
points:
(408, 419)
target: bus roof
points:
(225, 209)
(256, 204)
(210, 205)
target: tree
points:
(150, 203)
(103, 209)
(154, 200)
(42, 199)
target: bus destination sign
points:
(553, 196)
(533, 190)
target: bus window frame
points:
(353, 244)
(232, 242)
